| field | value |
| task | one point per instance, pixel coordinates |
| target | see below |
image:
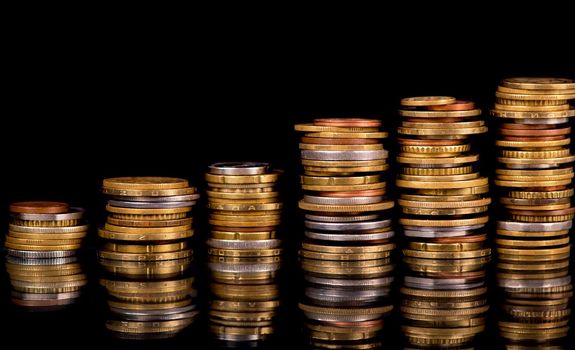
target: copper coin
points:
(550, 132)
(244, 229)
(330, 141)
(544, 212)
(419, 142)
(39, 207)
(348, 122)
(532, 138)
(464, 239)
(455, 106)
(518, 126)
(347, 194)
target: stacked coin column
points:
(243, 251)
(346, 252)
(534, 176)
(146, 256)
(444, 202)
(42, 244)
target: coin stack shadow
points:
(444, 211)
(346, 252)
(244, 254)
(533, 176)
(145, 258)
(42, 244)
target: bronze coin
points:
(458, 105)
(543, 212)
(518, 126)
(347, 194)
(348, 122)
(332, 141)
(39, 207)
(464, 239)
(530, 132)
(419, 142)
(532, 138)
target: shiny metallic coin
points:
(150, 205)
(347, 226)
(349, 237)
(31, 254)
(241, 244)
(239, 168)
(328, 218)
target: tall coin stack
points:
(146, 256)
(346, 253)
(534, 176)
(243, 251)
(42, 244)
(444, 204)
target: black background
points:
(106, 101)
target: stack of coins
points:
(534, 175)
(444, 203)
(42, 244)
(146, 256)
(244, 253)
(346, 253)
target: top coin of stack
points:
(444, 206)
(534, 176)
(347, 247)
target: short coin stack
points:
(346, 254)
(243, 251)
(42, 244)
(444, 203)
(146, 256)
(534, 176)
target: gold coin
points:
(527, 161)
(149, 193)
(442, 178)
(145, 183)
(54, 243)
(535, 92)
(444, 223)
(534, 172)
(439, 199)
(244, 252)
(345, 170)
(439, 114)
(145, 256)
(143, 249)
(142, 224)
(344, 257)
(560, 153)
(533, 144)
(139, 211)
(338, 181)
(522, 184)
(321, 188)
(320, 128)
(245, 207)
(243, 179)
(51, 236)
(437, 171)
(520, 108)
(145, 230)
(533, 267)
(541, 194)
(453, 191)
(539, 97)
(360, 208)
(525, 102)
(447, 255)
(144, 237)
(436, 211)
(533, 114)
(406, 158)
(46, 224)
(444, 247)
(424, 293)
(429, 132)
(348, 249)
(427, 101)
(442, 184)
(349, 135)
(535, 178)
(531, 252)
(529, 83)
(343, 163)
(444, 204)
(539, 207)
(532, 234)
(531, 258)
(15, 246)
(435, 149)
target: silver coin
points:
(74, 214)
(239, 168)
(182, 198)
(427, 166)
(240, 337)
(150, 205)
(347, 226)
(344, 155)
(444, 229)
(355, 283)
(341, 218)
(342, 200)
(153, 312)
(243, 268)
(548, 121)
(446, 286)
(342, 237)
(159, 318)
(34, 229)
(244, 244)
(46, 296)
(32, 254)
(144, 264)
(318, 293)
(39, 262)
(534, 226)
(543, 283)
(342, 318)
(438, 234)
